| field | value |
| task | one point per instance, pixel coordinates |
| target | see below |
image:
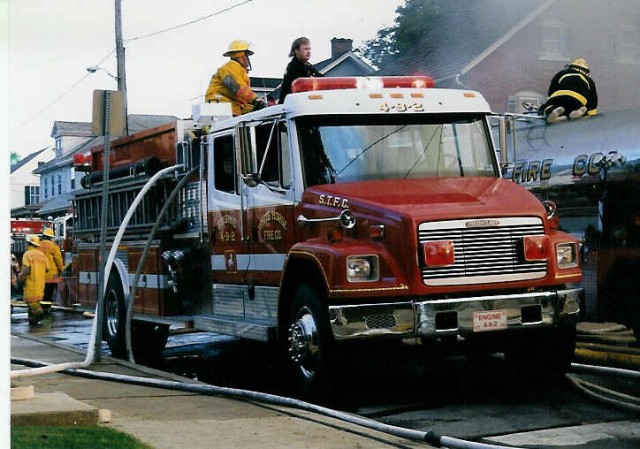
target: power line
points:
(182, 25)
(63, 94)
(155, 33)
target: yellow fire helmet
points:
(580, 62)
(48, 232)
(237, 46)
(33, 239)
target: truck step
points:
(249, 329)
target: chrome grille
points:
(487, 250)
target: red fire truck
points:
(360, 210)
(591, 169)
(20, 227)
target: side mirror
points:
(246, 149)
(251, 180)
(504, 159)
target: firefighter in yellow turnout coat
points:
(231, 82)
(33, 276)
(53, 253)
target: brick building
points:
(511, 54)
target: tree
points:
(14, 158)
(415, 19)
(421, 26)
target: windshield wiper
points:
(369, 147)
(424, 151)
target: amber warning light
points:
(350, 82)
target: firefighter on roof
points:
(231, 82)
(572, 93)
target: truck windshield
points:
(345, 149)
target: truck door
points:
(269, 220)
(251, 222)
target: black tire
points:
(307, 348)
(115, 310)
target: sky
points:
(51, 43)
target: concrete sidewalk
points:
(167, 419)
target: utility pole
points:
(122, 76)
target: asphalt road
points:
(479, 398)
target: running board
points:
(251, 330)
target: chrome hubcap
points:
(112, 312)
(303, 343)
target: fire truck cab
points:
(361, 209)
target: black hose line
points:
(429, 437)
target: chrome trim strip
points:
(258, 262)
(465, 280)
(469, 223)
(152, 281)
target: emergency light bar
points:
(351, 82)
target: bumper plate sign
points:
(489, 320)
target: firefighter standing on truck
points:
(298, 67)
(231, 82)
(33, 276)
(53, 253)
(572, 93)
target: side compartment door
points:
(225, 227)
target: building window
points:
(554, 41)
(59, 184)
(59, 147)
(31, 195)
(626, 47)
(53, 187)
(45, 188)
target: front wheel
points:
(308, 344)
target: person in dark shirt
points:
(572, 93)
(298, 67)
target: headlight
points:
(566, 254)
(362, 268)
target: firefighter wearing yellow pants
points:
(33, 277)
(231, 82)
(53, 253)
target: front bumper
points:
(454, 316)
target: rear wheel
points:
(147, 339)
(115, 310)
(308, 345)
